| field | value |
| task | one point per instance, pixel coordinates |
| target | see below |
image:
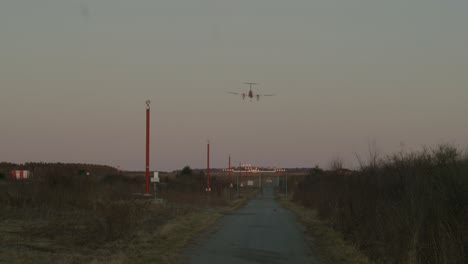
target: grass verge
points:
(327, 244)
(165, 244)
(159, 238)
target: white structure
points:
(20, 174)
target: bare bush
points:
(410, 208)
(336, 163)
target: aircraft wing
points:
(268, 95)
(233, 93)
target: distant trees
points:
(189, 180)
(336, 163)
(7, 167)
(40, 169)
(186, 171)
(316, 171)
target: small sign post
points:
(155, 180)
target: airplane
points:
(251, 94)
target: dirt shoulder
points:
(327, 244)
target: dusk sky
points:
(74, 77)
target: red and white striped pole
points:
(208, 188)
(147, 177)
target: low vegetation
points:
(407, 208)
(43, 169)
(81, 218)
(326, 244)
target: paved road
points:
(260, 232)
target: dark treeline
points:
(194, 180)
(407, 208)
(40, 169)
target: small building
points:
(20, 174)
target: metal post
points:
(238, 184)
(240, 173)
(155, 191)
(286, 174)
(229, 172)
(260, 180)
(208, 188)
(147, 178)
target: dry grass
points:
(62, 219)
(408, 208)
(159, 245)
(327, 244)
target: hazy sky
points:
(74, 76)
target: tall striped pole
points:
(147, 178)
(208, 188)
(229, 172)
(239, 179)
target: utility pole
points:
(239, 178)
(208, 188)
(229, 172)
(147, 178)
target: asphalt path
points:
(260, 232)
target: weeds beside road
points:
(407, 208)
(80, 219)
(327, 244)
